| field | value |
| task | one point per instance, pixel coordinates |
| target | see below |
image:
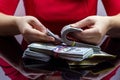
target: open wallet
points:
(70, 57)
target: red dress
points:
(55, 14)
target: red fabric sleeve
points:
(8, 6)
(112, 7)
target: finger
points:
(89, 39)
(89, 36)
(42, 36)
(38, 38)
(37, 24)
(91, 32)
(36, 34)
(83, 23)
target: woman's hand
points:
(94, 29)
(32, 30)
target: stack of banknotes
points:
(40, 50)
(69, 55)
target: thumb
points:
(83, 23)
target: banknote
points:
(63, 51)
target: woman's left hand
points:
(94, 29)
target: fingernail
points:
(72, 25)
(51, 39)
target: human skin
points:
(96, 27)
(29, 26)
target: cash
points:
(71, 54)
(36, 55)
(63, 51)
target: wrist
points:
(110, 22)
(115, 26)
(9, 23)
(18, 24)
(114, 21)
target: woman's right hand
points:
(32, 30)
